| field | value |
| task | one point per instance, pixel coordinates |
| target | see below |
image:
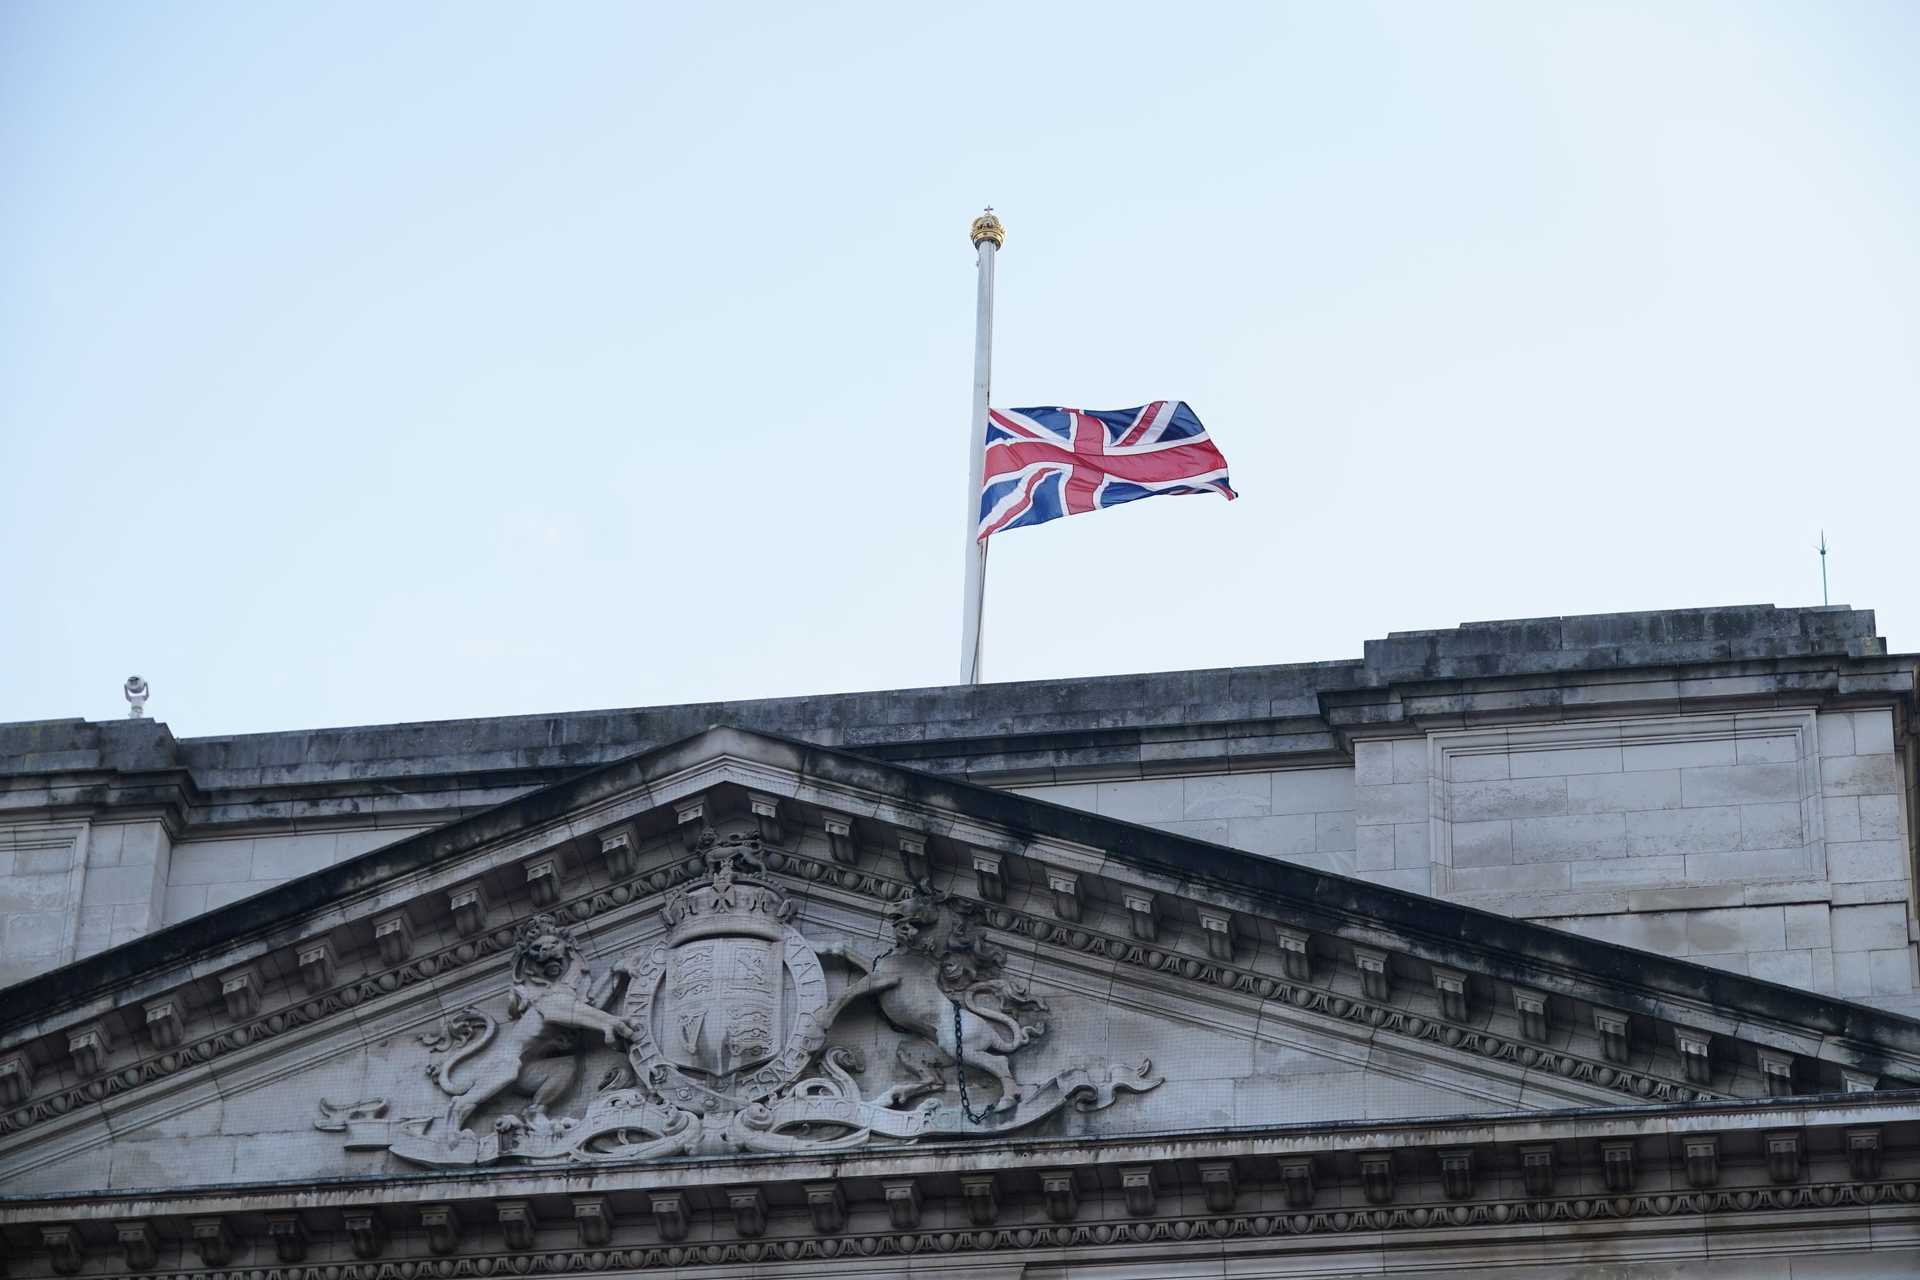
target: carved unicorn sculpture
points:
(936, 963)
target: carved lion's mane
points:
(539, 927)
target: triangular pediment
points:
(739, 946)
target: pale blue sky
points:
(373, 362)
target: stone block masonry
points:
(1657, 840)
(1734, 785)
(1764, 843)
(1303, 816)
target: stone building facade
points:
(1568, 946)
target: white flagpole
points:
(987, 235)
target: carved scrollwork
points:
(701, 1049)
(726, 1020)
(317, 1007)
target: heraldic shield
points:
(726, 1009)
(722, 1004)
(725, 1015)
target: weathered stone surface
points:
(1670, 721)
(1325, 1090)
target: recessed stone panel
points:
(1624, 792)
(1739, 784)
(1687, 754)
(1771, 826)
(1483, 844)
(1574, 838)
(1519, 798)
(1564, 761)
(1629, 871)
(1478, 767)
(1773, 749)
(1668, 831)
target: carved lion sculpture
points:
(936, 963)
(536, 1050)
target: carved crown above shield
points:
(727, 1008)
(831, 954)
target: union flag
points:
(1045, 463)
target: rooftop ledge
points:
(1031, 729)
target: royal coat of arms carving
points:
(728, 1008)
(725, 1021)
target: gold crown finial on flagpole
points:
(987, 227)
(986, 230)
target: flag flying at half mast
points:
(1042, 464)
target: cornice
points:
(1485, 1228)
(1214, 719)
(1408, 1184)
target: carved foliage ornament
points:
(726, 1022)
